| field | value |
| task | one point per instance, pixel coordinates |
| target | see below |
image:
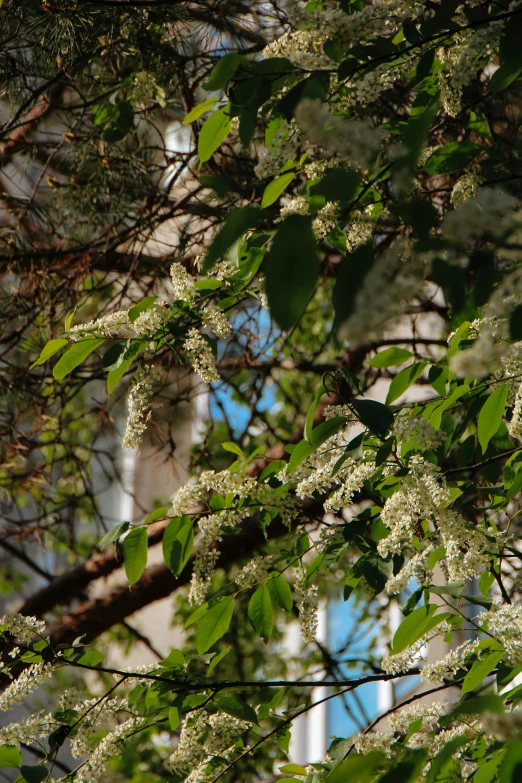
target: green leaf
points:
(260, 613)
(280, 593)
(217, 659)
(90, 658)
(135, 551)
(374, 415)
(292, 269)
(337, 185)
(75, 356)
(480, 670)
(233, 448)
(223, 71)
(511, 763)
(10, 756)
(292, 769)
(477, 705)
(275, 188)
(214, 624)
(178, 541)
(146, 303)
(503, 77)
(350, 279)
(158, 513)
(318, 436)
(113, 356)
(479, 123)
(403, 380)
(311, 413)
(452, 157)
(49, 349)
(444, 757)
(115, 375)
(389, 357)
(237, 222)
(34, 774)
(198, 110)
(196, 615)
(415, 625)
(357, 768)
(174, 718)
(121, 121)
(490, 415)
(238, 709)
(113, 535)
(213, 133)
(408, 770)
(174, 660)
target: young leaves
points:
(490, 415)
(135, 549)
(415, 625)
(291, 270)
(260, 612)
(275, 188)
(49, 349)
(75, 356)
(389, 357)
(452, 157)
(178, 540)
(214, 624)
(213, 133)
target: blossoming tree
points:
(336, 249)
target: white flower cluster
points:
(254, 572)
(354, 140)
(490, 211)
(391, 281)
(303, 48)
(284, 147)
(515, 425)
(407, 427)
(358, 232)
(27, 682)
(207, 555)
(201, 357)
(373, 740)
(505, 625)
(466, 186)
(97, 715)
(447, 667)
(505, 726)
(424, 495)
(491, 351)
(430, 713)
(462, 59)
(139, 407)
(326, 219)
(22, 627)
(307, 602)
(28, 731)
(416, 568)
(216, 320)
(92, 770)
(116, 324)
(378, 17)
(183, 283)
(150, 321)
(368, 88)
(202, 737)
(236, 486)
(403, 661)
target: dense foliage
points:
(314, 211)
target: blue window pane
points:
(348, 638)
